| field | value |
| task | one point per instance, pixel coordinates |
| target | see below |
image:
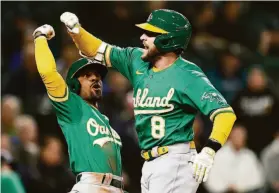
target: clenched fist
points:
(71, 21)
(44, 30)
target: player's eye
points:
(89, 76)
(151, 34)
(91, 79)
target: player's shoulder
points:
(129, 49)
(137, 51)
(189, 68)
(74, 96)
(68, 98)
(75, 99)
(131, 52)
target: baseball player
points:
(168, 92)
(93, 146)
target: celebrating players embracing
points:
(168, 92)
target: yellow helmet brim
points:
(151, 28)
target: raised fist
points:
(45, 30)
(71, 21)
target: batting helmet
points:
(173, 28)
(72, 79)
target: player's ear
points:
(74, 85)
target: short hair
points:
(179, 51)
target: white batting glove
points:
(45, 30)
(203, 162)
(71, 21)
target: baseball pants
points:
(170, 173)
(94, 183)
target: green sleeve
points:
(126, 61)
(205, 97)
(11, 183)
(68, 108)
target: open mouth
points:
(96, 86)
(145, 46)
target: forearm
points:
(222, 127)
(86, 42)
(46, 66)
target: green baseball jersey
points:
(93, 146)
(166, 102)
(11, 182)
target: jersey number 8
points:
(157, 127)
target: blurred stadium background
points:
(235, 43)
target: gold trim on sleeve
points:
(107, 56)
(60, 99)
(217, 111)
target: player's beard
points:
(92, 95)
(150, 54)
(96, 95)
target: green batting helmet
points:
(173, 28)
(72, 79)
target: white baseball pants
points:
(169, 173)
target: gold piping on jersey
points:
(221, 110)
(60, 99)
(107, 56)
(158, 70)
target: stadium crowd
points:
(235, 43)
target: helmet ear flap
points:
(172, 41)
(74, 85)
(162, 43)
(165, 41)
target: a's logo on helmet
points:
(150, 17)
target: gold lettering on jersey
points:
(92, 124)
(141, 100)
